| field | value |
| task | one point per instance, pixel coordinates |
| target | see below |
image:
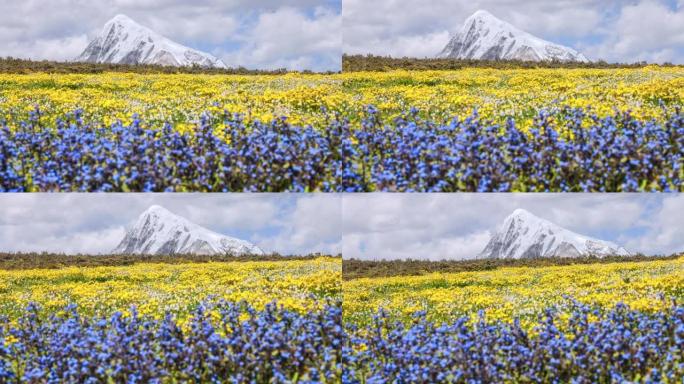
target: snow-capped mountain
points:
(160, 232)
(524, 235)
(485, 37)
(123, 41)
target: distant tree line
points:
(356, 63)
(22, 66)
(15, 261)
(350, 63)
(354, 269)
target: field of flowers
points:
(313, 99)
(467, 130)
(160, 98)
(514, 93)
(533, 130)
(133, 132)
(73, 156)
(614, 154)
(621, 322)
(522, 293)
(155, 288)
(619, 345)
(266, 321)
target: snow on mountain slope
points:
(123, 41)
(485, 37)
(160, 232)
(524, 235)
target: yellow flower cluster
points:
(177, 98)
(314, 98)
(155, 288)
(524, 293)
(518, 93)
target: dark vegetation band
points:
(14, 65)
(16, 261)
(356, 269)
(357, 63)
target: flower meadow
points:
(616, 345)
(517, 293)
(157, 288)
(466, 130)
(294, 322)
(246, 321)
(74, 156)
(309, 99)
(178, 99)
(613, 154)
(222, 342)
(520, 94)
(621, 322)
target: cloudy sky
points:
(263, 34)
(613, 30)
(458, 226)
(365, 226)
(95, 223)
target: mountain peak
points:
(157, 212)
(124, 41)
(519, 212)
(524, 235)
(125, 23)
(525, 216)
(161, 232)
(485, 20)
(158, 209)
(483, 36)
(120, 18)
(482, 14)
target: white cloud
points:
(91, 242)
(646, 31)
(388, 246)
(315, 224)
(433, 226)
(210, 28)
(665, 231)
(287, 38)
(427, 45)
(53, 49)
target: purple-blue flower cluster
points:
(233, 344)
(216, 156)
(559, 153)
(618, 153)
(623, 345)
